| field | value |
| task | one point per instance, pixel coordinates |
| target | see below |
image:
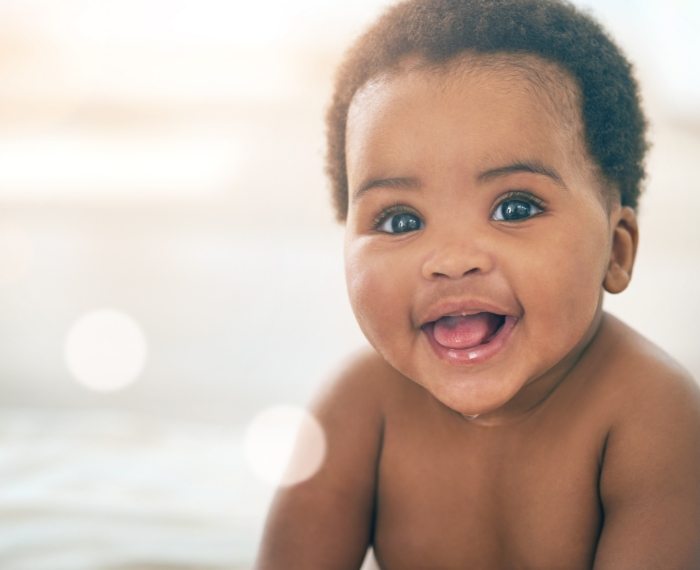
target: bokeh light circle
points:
(105, 350)
(285, 445)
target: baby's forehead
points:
(518, 91)
(552, 90)
(550, 84)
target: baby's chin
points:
(481, 390)
(470, 409)
(483, 399)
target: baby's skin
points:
(503, 419)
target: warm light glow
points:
(105, 350)
(138, 167)
(285, 445)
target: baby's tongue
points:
(465, 332)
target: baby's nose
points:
(457, 258)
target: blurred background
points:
(171, 282)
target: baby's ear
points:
(623, 251)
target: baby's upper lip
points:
(457, 307)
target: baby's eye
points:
(399, 222)
(515, 209)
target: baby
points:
(487, 157)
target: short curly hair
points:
(614, 124)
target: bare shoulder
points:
(639, 378)
(327, 520)
(651, 461)
(365, 380)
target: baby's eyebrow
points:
(410, 183)
(531, 166)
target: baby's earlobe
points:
(616, 279)
(623, 251)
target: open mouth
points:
(466, 331)
(469, 338)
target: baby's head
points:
(487, 157)
(436, 31)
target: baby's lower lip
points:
(475, 354)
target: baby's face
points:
(477, 239)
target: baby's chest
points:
(485, 499)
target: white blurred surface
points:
(113, 490)
(164, 158)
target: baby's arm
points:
(326, 522)
(650, 481)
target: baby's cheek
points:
(369, 290)
(574, 289)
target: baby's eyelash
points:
(523, 195)
(386, 213)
